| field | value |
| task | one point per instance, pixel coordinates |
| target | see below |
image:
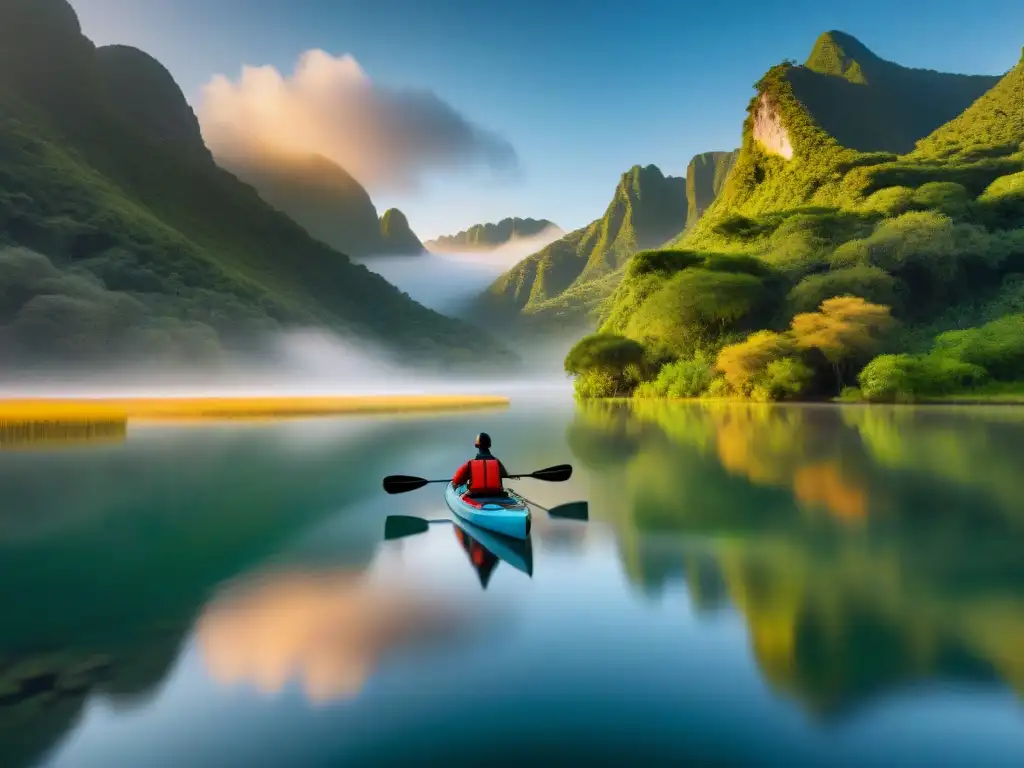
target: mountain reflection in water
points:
(328, 629)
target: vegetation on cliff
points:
(805, 242)
(647, 209)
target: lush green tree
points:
(605, 352)
(998, 347)
(696, 307)
(870, 283)
(905, 378)
(606, 365)
(785, 379)
(929, 252)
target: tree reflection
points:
(865, 548)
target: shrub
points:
(663, 262)
(998, 347)
(681, 379)
(904, 378)
(783, 379)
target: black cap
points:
(483, 440)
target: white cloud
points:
(387, 138)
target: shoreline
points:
(958, 400)
(161, 409)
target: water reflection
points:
(107, 554)
(486, 550)
(866, 549)
(745, 567)
(48, 434)
(328, 630)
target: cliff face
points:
(870, 104)
(705, 177)
(769, 131)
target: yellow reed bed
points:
(192, 408)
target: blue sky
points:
(582, 89)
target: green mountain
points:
(396, 235)
(325, 199)
(485, 237)
(870, 104)
(705, 177)
(647, 209)
(991, 127)
(144, 94)
(821, 266)
(139, 242)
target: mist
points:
(306, 362)
(284, 362)
(449, 282)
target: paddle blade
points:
(400, 526)
(403, 483)
(575, 510)
(553, 474)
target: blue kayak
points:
(508, 515)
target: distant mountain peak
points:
(485, 237)
(397, 236)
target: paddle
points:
(405, 483)
(400, 526)
(573, 510)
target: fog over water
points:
(315, 361)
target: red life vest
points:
(484, 477)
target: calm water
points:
(758, 585)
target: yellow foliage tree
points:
(743, 363)
(845, 328)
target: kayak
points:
(479, 543)
(508, 515)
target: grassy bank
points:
(186, 408)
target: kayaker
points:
(483, 473)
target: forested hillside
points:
(823, 269)
(327, 202)
(647, 209)
(119, 233)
